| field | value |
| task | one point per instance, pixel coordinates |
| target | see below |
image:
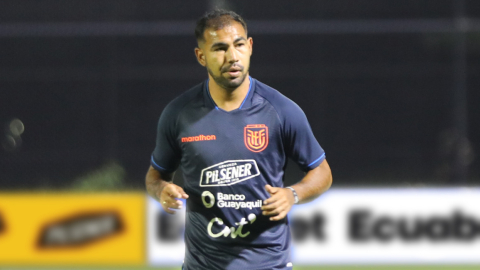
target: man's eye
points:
(240, 44)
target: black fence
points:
(391, 88)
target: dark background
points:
(391, 88)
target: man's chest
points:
(218, 136)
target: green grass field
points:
(376, 267)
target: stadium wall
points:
(344, 226)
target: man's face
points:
(226, 54)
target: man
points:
(231, 136)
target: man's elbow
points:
(151, 180)
(329, 180)
(327, 176)
(148, 176)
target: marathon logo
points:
(229, 172)
(199, 138)
(80, 230)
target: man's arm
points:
(160, 187)
(315, 182)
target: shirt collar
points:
(247, 102)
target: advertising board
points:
(360, 226)
(52, 228)
(389, 226)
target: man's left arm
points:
(315, 182)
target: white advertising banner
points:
(360, 226)
(384, 226)
(165, 235)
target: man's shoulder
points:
(279, 101)
(187, 97)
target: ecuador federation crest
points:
(256, 137)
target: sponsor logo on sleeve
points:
(256, 137)
(229, 173)
(80, 229)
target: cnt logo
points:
(229, 172)
(256, 137)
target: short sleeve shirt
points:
(226, 159)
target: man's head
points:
(224, 47)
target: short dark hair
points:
(216, 19)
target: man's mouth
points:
(234, 71)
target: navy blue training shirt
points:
(226, 159)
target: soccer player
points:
(231, 136)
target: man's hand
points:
(169, 196)
(279, 204)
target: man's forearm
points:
(315, 182)
(156, 181)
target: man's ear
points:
(200, 56)
(250, 41)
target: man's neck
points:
(228, 100)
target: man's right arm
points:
(160, 187)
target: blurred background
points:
(391, 88)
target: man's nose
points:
(232, 55)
